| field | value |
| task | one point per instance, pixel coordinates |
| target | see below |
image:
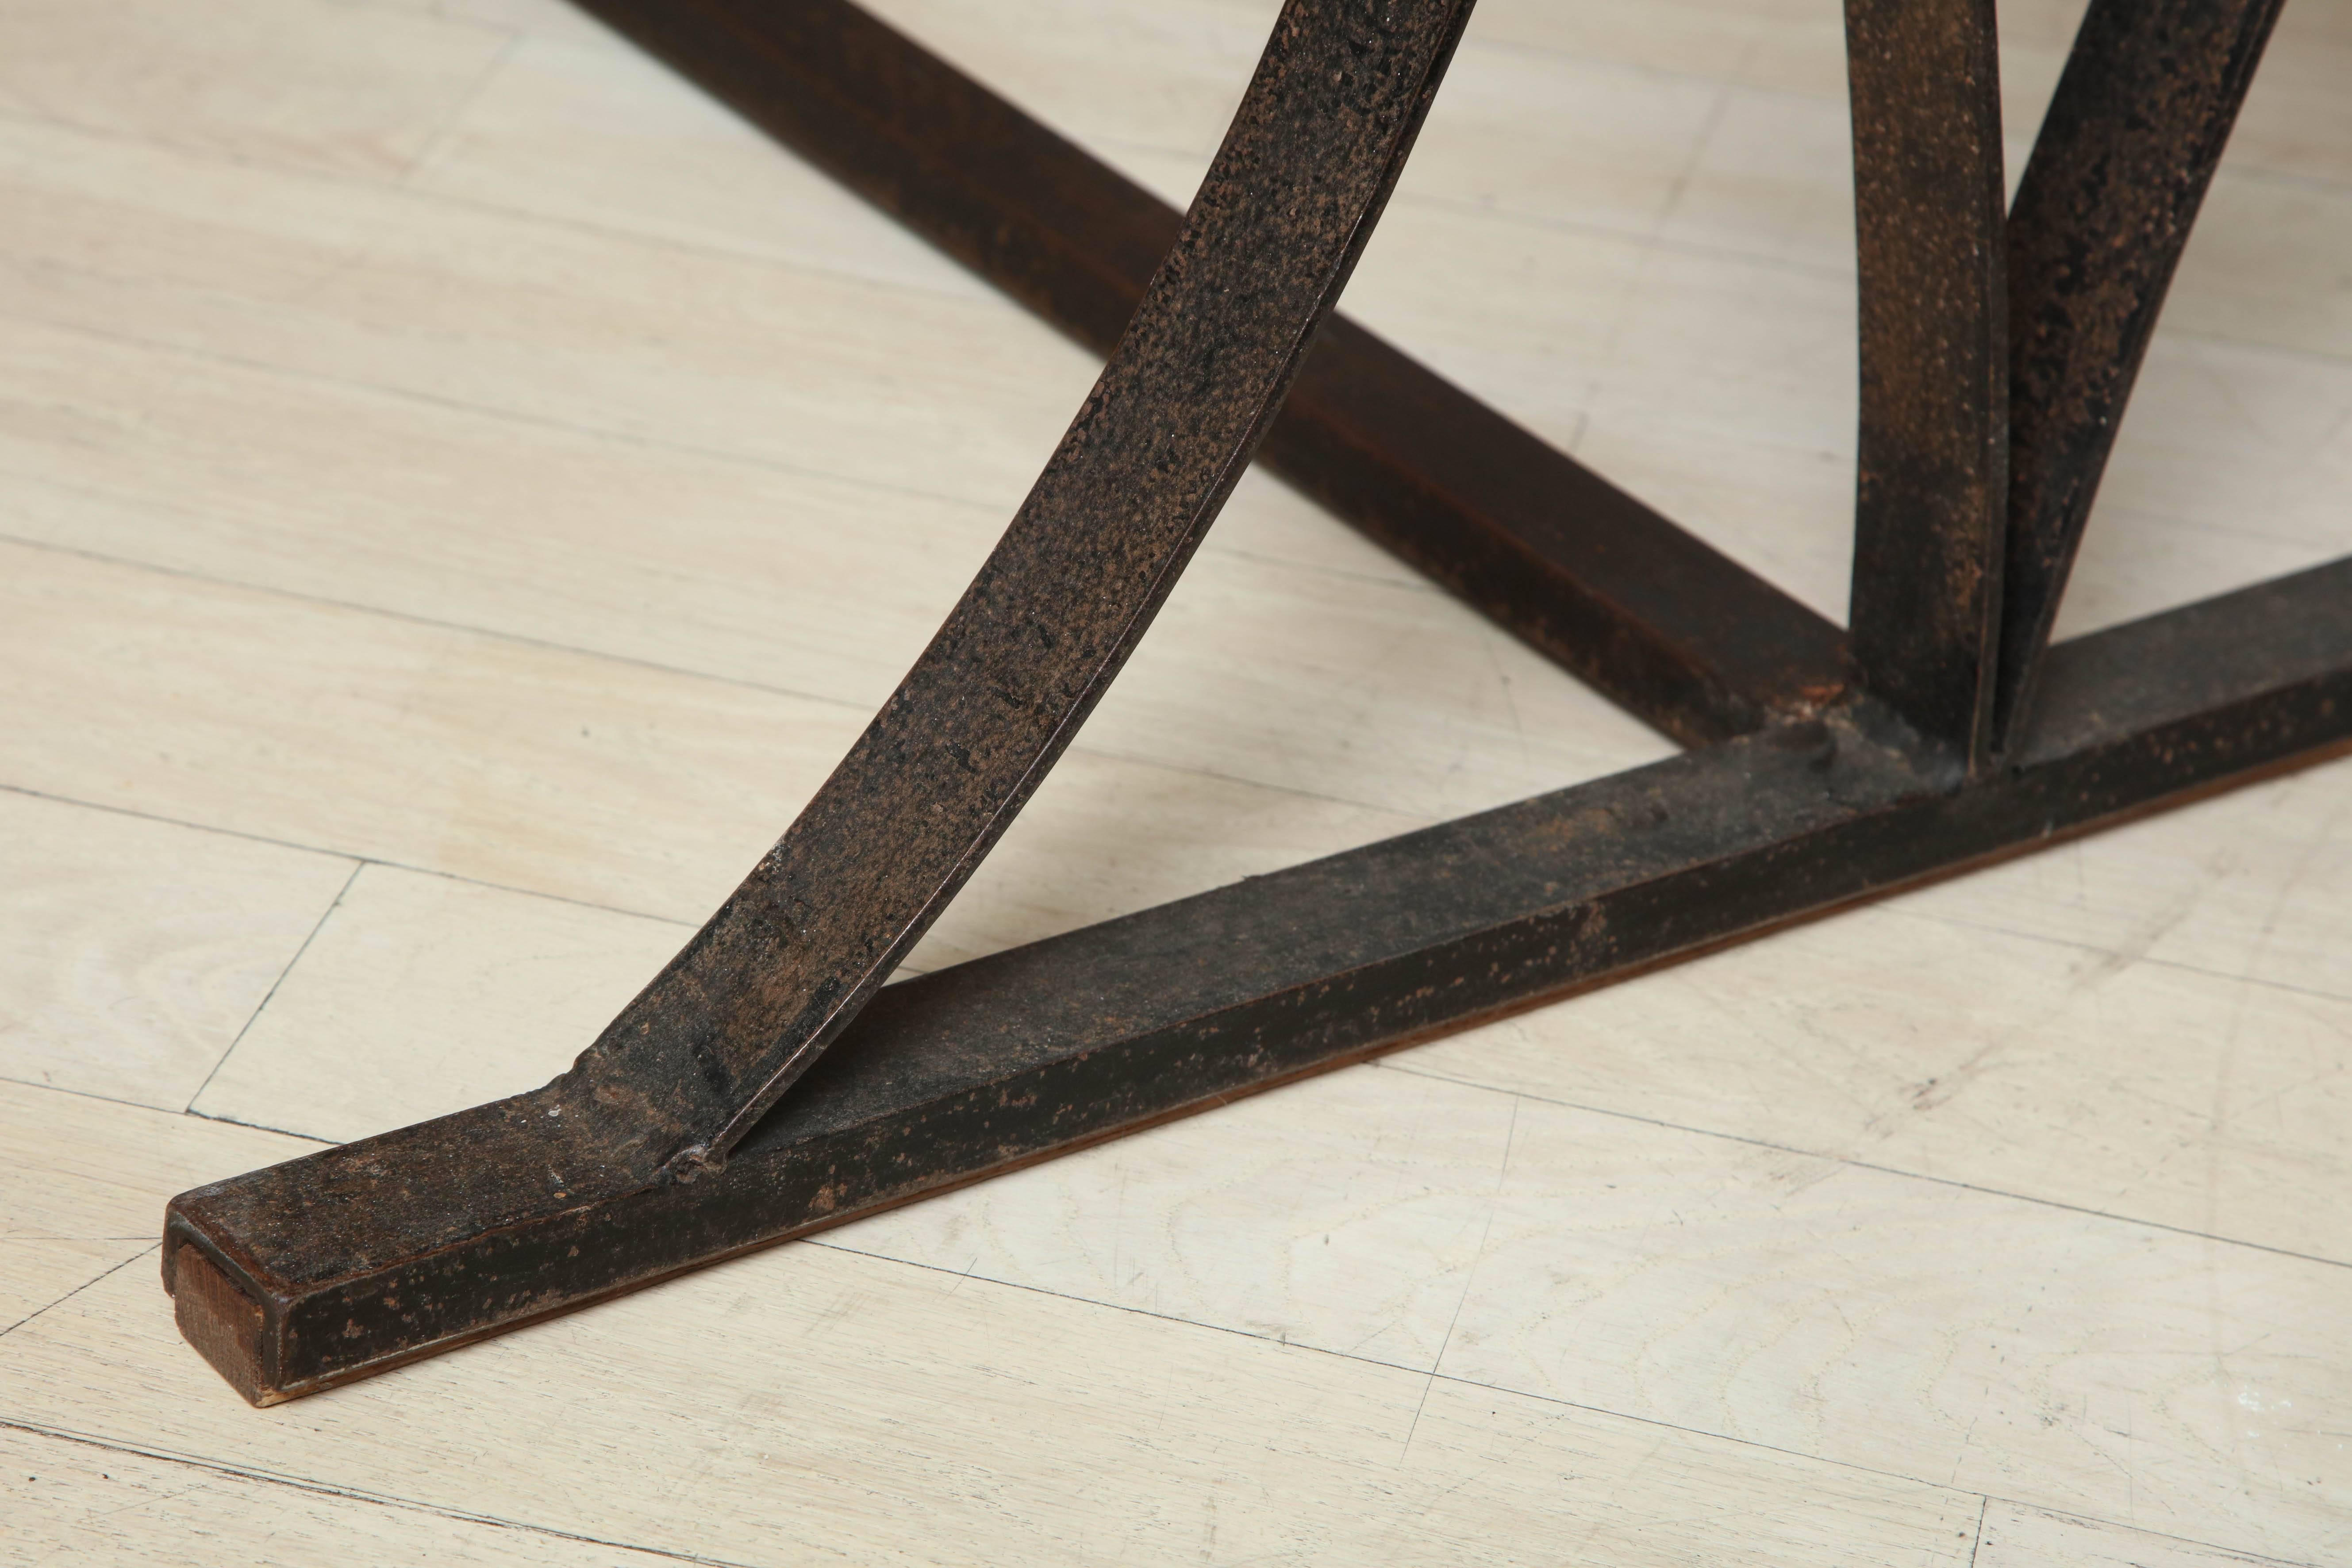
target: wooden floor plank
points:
(627, 338)
(301, 84)
(1612, 1262)
(514, 18)
(38, 1271)
(556, 772)
(88, 1169)
(701, 563)
(132, 953)
(67, 1501)
(2250, 884)
(2030, 1352)
(2063, 1360)
(383, 739)
(434, 994)
(82, 1184)
(825, 588)
(882, 1413)
(592, 130)
(2017, 1537)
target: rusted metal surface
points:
(223, 1322)
(353, 1260)
(1664, 624)
(2118, 171)
(1933, 478)
(364, 1256)
(924, 793)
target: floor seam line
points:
(1469, 1279)
(1289, 1344)
(1701, 1432)
(446, 132)
(363, 859)
(843, 704)
(350, 1494)
(132, 1104)
(271, 994)
(102, 1275)
(396, 189)
(1992, 928)
(1393, 1064)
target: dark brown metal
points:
(1932, 483)
(925, 792)
(223, 1322)
(2118, 171)
(362, 1258)
(1672, 630)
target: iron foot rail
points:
(357, 1259)
(1675, 632)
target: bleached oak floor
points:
(459, 492)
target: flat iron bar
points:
(763, 988)
(2118, 171)
(1932, 475)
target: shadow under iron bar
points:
(357, 1259)
(1663, 624)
